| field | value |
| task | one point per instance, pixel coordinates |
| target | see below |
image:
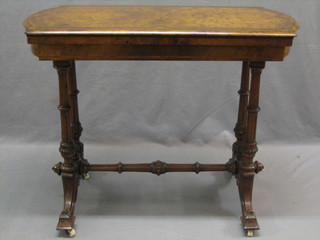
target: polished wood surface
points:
(251, 35)
(160, 33)
(161, 20)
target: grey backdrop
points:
(140, 111)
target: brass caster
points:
(71, 232)
(250, 233)
(85, 176)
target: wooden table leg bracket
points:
(241, 163)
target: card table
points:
(251, 35)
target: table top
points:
(161, 20)
(160, 33)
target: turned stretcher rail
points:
(157, 167)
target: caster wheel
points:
(85, 176)
(250, 233)
(71, 232)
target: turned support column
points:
(76, 128)
(69, 169)
(248, 148)
(241, 125)
(75, 125)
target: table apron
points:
(158, 52)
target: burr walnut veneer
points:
(69, 33)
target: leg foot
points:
(249, 221)
(85, 176)
(66, 221)
(71, 232)
(250, 233)
(70, 186)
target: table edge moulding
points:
(251, 35)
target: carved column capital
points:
(67, 150)
(240, 130)
(61, 65)
(76, 130)
(249, 148)
(257, 66)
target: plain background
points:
(142, 111)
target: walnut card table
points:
(247, 34)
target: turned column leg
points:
(69, 169)
(76, 128)
(246, 167)
(241, 125)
